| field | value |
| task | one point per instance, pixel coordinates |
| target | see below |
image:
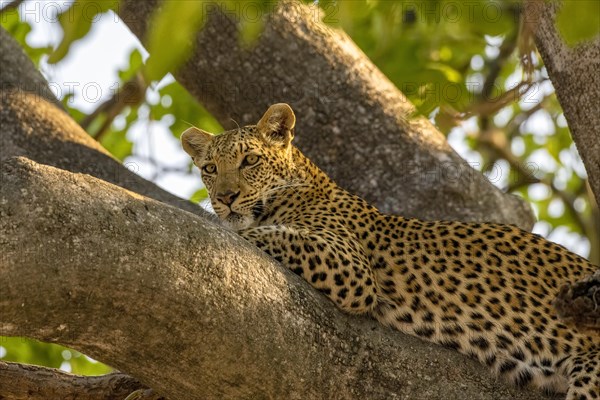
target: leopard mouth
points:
(236, 221)
(263, 208)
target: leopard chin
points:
(236, 222)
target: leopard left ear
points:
(195, 142)
(277, 125)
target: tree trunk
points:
(171, 298)
(352, 121)
(574, 74)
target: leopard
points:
(483, 289)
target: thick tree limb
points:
(574, 74)
(192, 310)
(167, 296)
(50, 136)
(352, 120)
(29, 382)
(187, 308)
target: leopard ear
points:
(195, 142)
(277, 125)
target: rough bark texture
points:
(29, 382)
(352, 121)
(191, 310)
(574, 74)
(172, 299)
(51, 137)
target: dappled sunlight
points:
(448, 104)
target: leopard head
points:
(244, 167)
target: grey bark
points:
(574, 74)
(30, 382)
(51, 137)
(174, 300)
(191, 310)
(352, 121)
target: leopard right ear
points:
(277, 124)
(195, 142)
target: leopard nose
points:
(227, 197)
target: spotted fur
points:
(482, 289)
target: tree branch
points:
(186, 307)
(130, 95)
(215, 314)
(352, 121)
(29, 382)
(574, 74)
(50, 136)
(189, 309)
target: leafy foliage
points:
(459, 63)
(76, 22)
(172, 37)
(184, 109)
(30, 351)
(19, 30)
(170, 41)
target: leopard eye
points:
(250, 159)
(209, 168)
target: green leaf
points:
(12, 23)
(449, 73)
(19, 30)
(116, 142)
(185, 108)
(578, 21)
(135, 63)
(199, 195)
(172, 37)
(76, 22)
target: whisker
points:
(292, 185)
